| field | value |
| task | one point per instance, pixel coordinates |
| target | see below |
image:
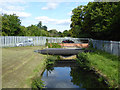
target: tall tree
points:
(44, 27)
(98, 20)
(11, 25)
(39, 24)
(66, 33)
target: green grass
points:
(104, 63)
(20, 65)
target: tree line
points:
(97, 20)
(11, 26)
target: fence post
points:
(118, 48)
(111, 46)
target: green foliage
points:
(53, 33)
(37, 83)
(60, 34)
(46, 44)
(90, 44)
(39, 25)
(33, 30)
(51, 60)
(105, 64)
(83, 61)
(44, 27)
(98, 20)
(10, 25)
(53, 45)
(66, 33)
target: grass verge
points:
(103, 63)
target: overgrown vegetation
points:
(103, 63)
(51, 60)
(53, 45)
(38, 83)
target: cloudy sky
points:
(53, 14)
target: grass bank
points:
(20, 65)
(105, 64)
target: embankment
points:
(104, 64)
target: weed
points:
(37, 83)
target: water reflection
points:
(58, 78)
(85, 79)
(70, 77)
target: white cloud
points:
(51, 23)
(70, 13)
(18, 13)
(13, 8)
(23, 14)
(47, 20)
(50, 5)
(12, 1)
(47, 0)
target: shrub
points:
(53, 45)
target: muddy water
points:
(68, 74)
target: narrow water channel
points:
(67, 74)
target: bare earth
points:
(19, 65)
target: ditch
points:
(67, 74)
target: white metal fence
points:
(112, 47)
(11, 41)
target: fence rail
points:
(11, 41)
(112, 47)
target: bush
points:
(53, 45)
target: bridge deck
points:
(60, 51)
